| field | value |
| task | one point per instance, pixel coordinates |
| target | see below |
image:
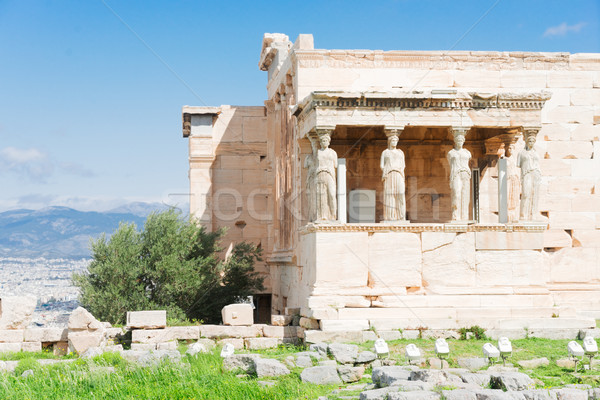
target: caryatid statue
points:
(325, 183)
(392, 166)
(460, 176)
(531, 176)
(310, 163)
(513, 183)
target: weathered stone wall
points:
(247, 175)
(447, 276)
(229, 165)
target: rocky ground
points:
(360, 374)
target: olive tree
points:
(172, 264)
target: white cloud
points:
(20, 156)
(563, 29)
(36, 165)
(29, 163)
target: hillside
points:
(61, 232)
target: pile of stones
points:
(413, 383)
(343, 364)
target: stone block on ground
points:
(307, 358)
(343, 353)
(80, 341)
(537, 394)
(113, 333)
(569, 394)
(321, 375)
(390, 335)
(566, 363)
(154, 319)
(436, 377)
(261, 343)
(171, 345)
(244, 362)
(366, 357)
(319, 347)
(350, 374)
(16, 311)
(316, 336)
(511, 381)
(479, 379)
(281, 320)
(410, 386)
(226, 331)
(11, 335)
(389, 375)
(60, 348)
(378, 394)
(274, 331)
(512, 334)
(502, 368)
(82, 320)
(498, 394)
(440, 333)
(237, 344)
(238, 315)
(32, 346)
(165, 334)
(436, 363)
(50, 334)
(593, 394)
(459, 394)
(304, 361)
(473, 364)
(10, 347)
(269, 367)
(414, 395)
(531, 364)
(309, 323)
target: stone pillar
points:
(198, 128)
(341, 190)
(502, 191)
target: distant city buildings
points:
(47, 279)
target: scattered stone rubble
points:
(335, 363)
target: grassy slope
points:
(204, 378)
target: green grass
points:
(203, 377)
(200, 377)
(37, 355)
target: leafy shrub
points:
(170, 264)
(477, 331)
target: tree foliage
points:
(170, 264)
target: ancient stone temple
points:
(406, 189)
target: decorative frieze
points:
(425, 108)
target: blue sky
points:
(91, 91)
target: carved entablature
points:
(189, 112)
(420, 108)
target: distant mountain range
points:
(62, 232)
